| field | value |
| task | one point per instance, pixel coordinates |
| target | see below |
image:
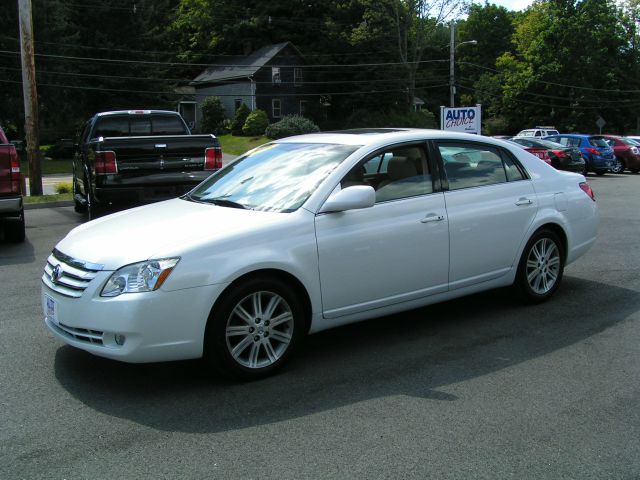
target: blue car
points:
(598, 155)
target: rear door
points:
(491, 203)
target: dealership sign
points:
(461, 119)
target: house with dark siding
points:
(270, 79)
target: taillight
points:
(560, 153)
(16, 180)
(592, 151)
(213, 158)
(586, 188)
(106, 163)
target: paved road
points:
(476, 388)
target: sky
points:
(510, 4)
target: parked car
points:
(597, 153)
(309, 233)
(627, 153)
(555, 154)
(11, 206)
(139, 156)
(538, 132)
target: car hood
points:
(158, 230)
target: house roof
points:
(239, 66)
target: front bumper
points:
(157, 326)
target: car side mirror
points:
(350, 198)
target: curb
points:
(35, 206)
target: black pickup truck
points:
(139, 156)
(11, 207)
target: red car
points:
(557, 155)
(627, 153)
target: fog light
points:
(120, 339)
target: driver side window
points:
(396, 173)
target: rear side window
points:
(476, 165)
(168, 125)
(598, 142)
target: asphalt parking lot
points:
(478, 388)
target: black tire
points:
(14, 229)
(601, 172)
(634, 170)
(618, 166)
(534, 271)
(79, 207)
(92, 208)
(254, 347)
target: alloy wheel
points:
(543, 266)
(259, 329)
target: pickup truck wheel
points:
(78, 206)
(254, 329)
(14, 230)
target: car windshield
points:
(629, 141)
(278, 177)
(527, 133)
(598, 142)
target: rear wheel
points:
(254, 329)
(634, 170)
(601, 172)
(618, 166)
(541, 267)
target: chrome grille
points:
(81, 334)
(68, 276)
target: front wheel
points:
(254, 329)
(601, 172)
(618, 166)
(541, 267)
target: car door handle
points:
(432, 217)
(523, 201)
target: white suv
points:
(538, 132)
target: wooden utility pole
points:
(30, 94)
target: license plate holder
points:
(50, 309)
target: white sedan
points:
(309, 233)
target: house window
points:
(237, 102)
(275, 75)
(297, 76)
(303, 107)
(276, 108)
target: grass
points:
(48, 198)
(48, 167)
(238, 145)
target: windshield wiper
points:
(223, 202)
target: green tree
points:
(239, 118)
(213, 115)
(256, 123)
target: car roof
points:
(374, 136)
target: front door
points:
(395, 251)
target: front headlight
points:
(139, 277)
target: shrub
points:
(239, 119)
(256, 123)
(212, 115)
(64, 187)
(291, 125)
